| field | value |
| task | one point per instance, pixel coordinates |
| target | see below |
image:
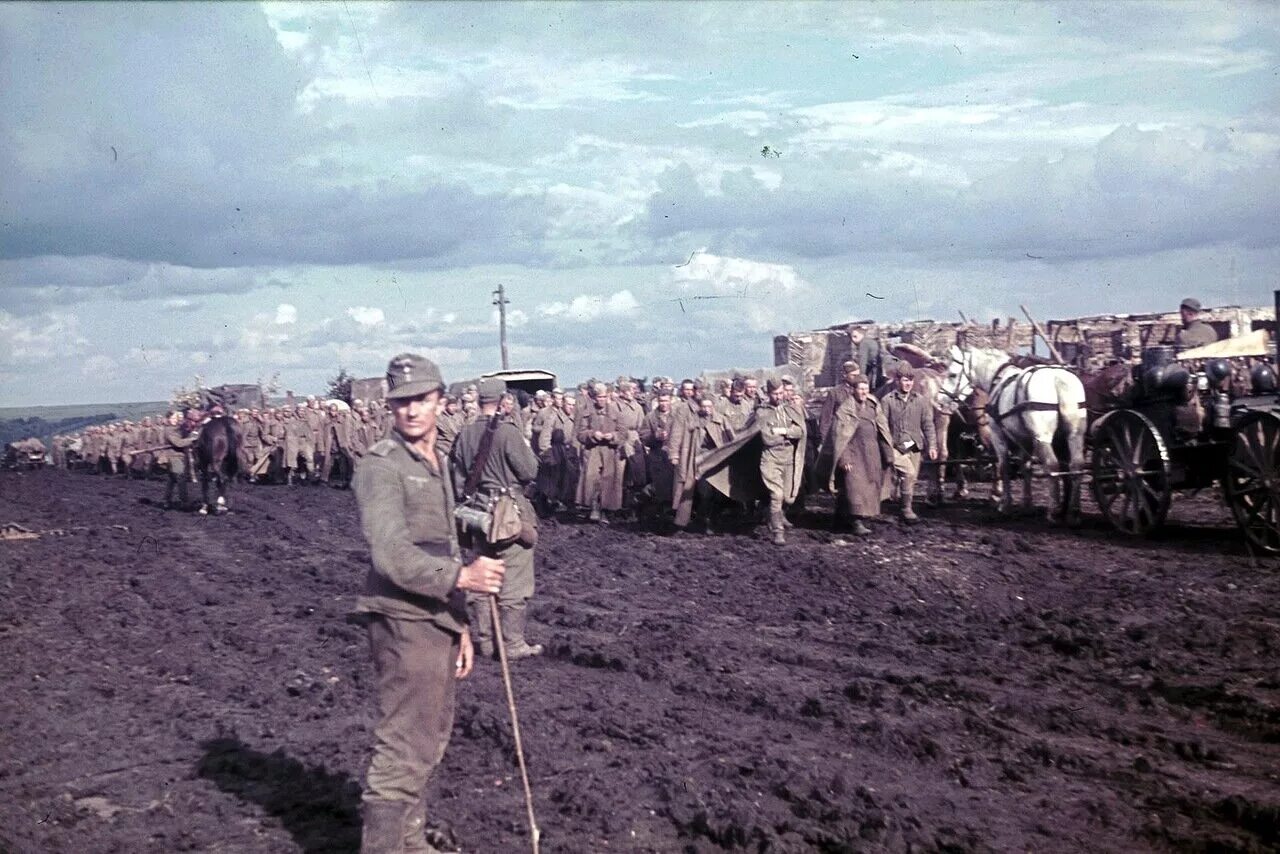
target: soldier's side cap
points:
(491, 390)
(1191, 303)
(850, 366)
(772, 384)
(409, 375)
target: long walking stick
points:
(534, 833)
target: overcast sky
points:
(235, 190)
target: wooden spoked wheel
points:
(1252, 479)
(1131, 472)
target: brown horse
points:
(217, 460)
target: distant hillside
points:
(19, 422)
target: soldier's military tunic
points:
(910, 419)
(1195, 334)
(414, 613)
(782, 432)
(297, 444)
(510, 465)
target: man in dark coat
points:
(691, 438)
(860, 451)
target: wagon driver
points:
(413, 606)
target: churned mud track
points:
(972, 684)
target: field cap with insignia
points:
(409, 375)
(1191, 303)
(491, 390)
(772, 384)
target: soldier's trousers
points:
(304, 453)
(415, 663)
(517, 588)
(905, 471)
(517, 584)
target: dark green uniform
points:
(415, 616)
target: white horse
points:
(1031, 411)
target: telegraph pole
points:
(501, 301)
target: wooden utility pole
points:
(501, 301)
(1036, 330)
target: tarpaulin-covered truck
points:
(25, 454)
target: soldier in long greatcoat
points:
(629, 417)
(691, 438)
(571, 455)
(861, 449)
(603, 466)
(655, 434)
(548, 428)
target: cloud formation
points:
(209, 185)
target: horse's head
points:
(957, 384)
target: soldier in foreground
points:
(413, 606)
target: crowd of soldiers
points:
(308, 442)
(605, 450)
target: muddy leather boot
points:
(384, 826)
(482, 628)
(513, 623)
(860, 528)
(595, 515)
(288, 477)
(908, 515)
(778, 533)
(415, 832)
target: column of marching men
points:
(606, 451)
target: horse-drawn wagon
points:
(1187, 431)
(1166, 428)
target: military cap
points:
(850, 366)
(786, 380)
(1191, 303)
(541, 393)
(491, 390)
(903, 369)
(409, 375)
(772, 384)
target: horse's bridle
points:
(966, 374)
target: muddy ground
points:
(176, 683)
